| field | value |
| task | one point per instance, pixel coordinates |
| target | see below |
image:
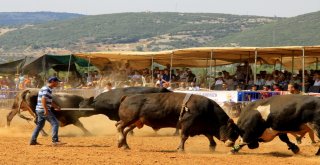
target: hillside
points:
(8, 19)
(131, 31)
(300, 30)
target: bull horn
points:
(123, 98)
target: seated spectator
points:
(166, 76)
(270, 81)
(254, 88)
(316, 79)
(136, 78)
(228, 80)
(238, 88)
(225, 87)
(219, 81)
(260, 81)
(295, 79)
(107, 87)
(266, 92)
(276, 87)
(293, 88)
(191, 77)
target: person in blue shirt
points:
(43, 111)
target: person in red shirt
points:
(276, 87)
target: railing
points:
(7, 96)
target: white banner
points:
(217, 96)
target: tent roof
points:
(12, 67)
(198, 57)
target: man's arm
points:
(56, 106)
(44, 104)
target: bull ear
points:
(122, 98)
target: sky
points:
(279, 8)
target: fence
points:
(249, 96)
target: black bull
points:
(106, 103)
(160, 110)
(262, 120)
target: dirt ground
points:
(147, 147)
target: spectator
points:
(270, 81)
(107, 87)
(191, 77)
(316, 79)
(219, 81)
(225, 87)
(254, 88)
(293, 88)
(276, 87)
(266, 92)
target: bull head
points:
(230, 131)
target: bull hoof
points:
(295, 149)
(120, 144)
(125, 147)
(232, 152)
(176, 134)
(180, 150)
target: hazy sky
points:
(280, 8)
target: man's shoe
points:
(58, 143)
(34, 143)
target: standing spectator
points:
(43, 111)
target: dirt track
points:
(147, 147)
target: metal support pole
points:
(170, 66)
(67, 78)
(152, 78)
(255, 66)
(280, 63)
(210, 69)
(89, 65)
(317, 60)
(215, 68)
(303, 82)
(248, 74)
(292, 67)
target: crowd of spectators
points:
(181, 79)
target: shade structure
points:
(199, 56)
